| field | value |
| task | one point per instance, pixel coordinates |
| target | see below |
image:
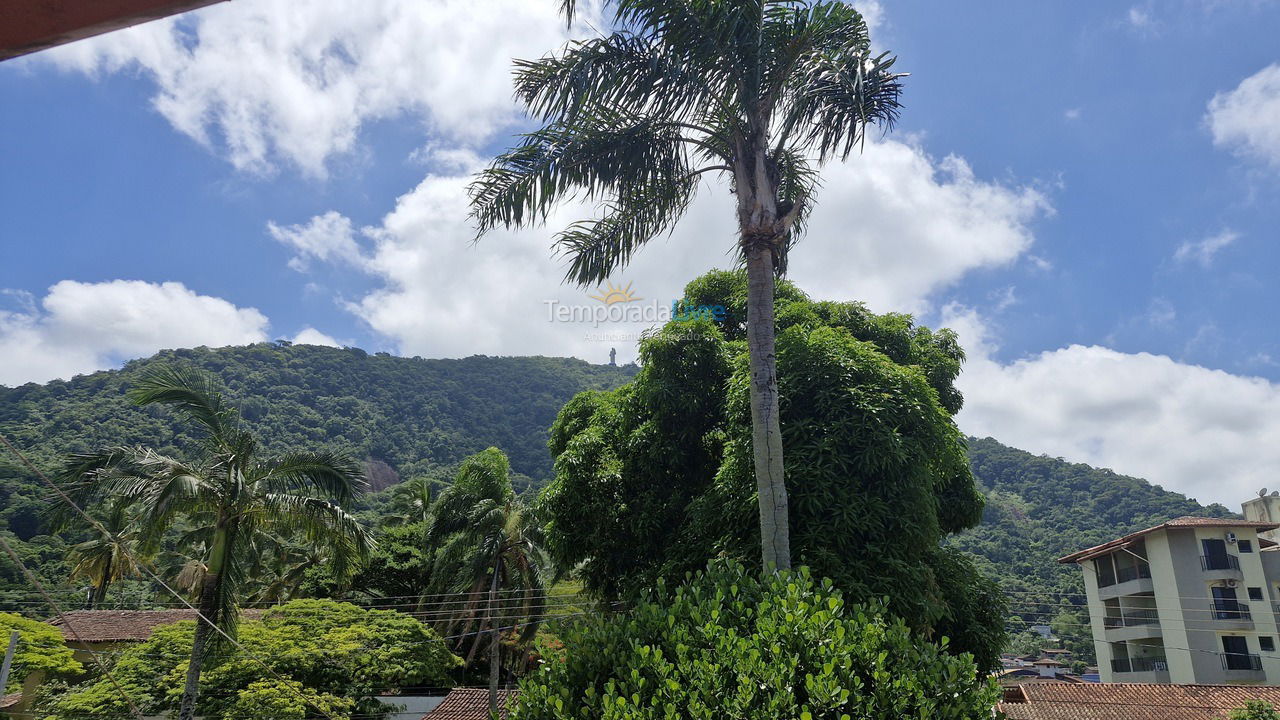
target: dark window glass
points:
(1245, 546)
(1255, 593)
(1267, 643)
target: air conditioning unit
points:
(1231, 538)
(1231, 583)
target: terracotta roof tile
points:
(10, 700)
(95, 626)
(1129, 701)
(1174, 523)
(470, 704)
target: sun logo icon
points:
(611, 295)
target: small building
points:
(1189, 601)
(1128, 701)
(470, 704)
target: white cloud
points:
(327, 237)
(1072, 114)
(1203, 251)
(82, 327)
(1140, 18)
(1246, 120)
(312, 336)
(267, 81)
(1207, 433)
(892, 227)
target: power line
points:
(100, 528)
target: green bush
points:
(729, 645)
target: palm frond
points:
(333, 475)
(190, 393)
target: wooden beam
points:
(27, 26)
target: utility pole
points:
(8, 662)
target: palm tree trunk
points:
(208, 607)
(766, 429)
(494, 648)
(100, 590)
(209, 610)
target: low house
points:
(1128, 701)
(87, 631)
(470, 704)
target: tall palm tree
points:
(229, 494)
(106, 559)
(489, 539)
(761, 92)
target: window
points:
(1267, 643)
(1245, 546)
(1255, 593)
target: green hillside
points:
(1041, 508)
(409, 416)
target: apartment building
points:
(1191, 601)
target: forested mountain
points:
(1041, 508)
(410, 416)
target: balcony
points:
(1141, 665)
(1219, 562)
(1125, 574)
(1231, 610)
(1241, 662)
(1130, 619)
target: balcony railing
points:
(1130, 619)
(1241, 661)
(1141, 664)
(1219, 562)
(1230, 610)
(1132, 572)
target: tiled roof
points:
(10, 700)
(95, 626)
(1181, 522)
(1128, 701)
(469, 704)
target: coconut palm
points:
(760, 92)
(230, 495)
(106, 559)
(489, 540)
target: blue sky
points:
(1084, 190)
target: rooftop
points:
(1182, 522)
(469, 704)
(1128, 701)
(97, 626)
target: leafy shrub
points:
(729, 645)
(332, 650)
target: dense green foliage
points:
(404, 416)
(655, 478)
(729, 645)
(410, 413)
(332, 650)
(1037, 508)
(40, 649)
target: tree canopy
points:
(655, 478)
